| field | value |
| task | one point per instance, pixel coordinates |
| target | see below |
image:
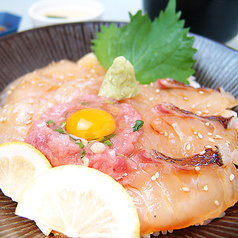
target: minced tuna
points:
(49, 136)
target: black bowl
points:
(216, 66)
(215, 19)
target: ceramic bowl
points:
(214, 19)
(53, 12)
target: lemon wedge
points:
(78, 201)
(20, 163)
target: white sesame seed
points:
(200, 136)
(33, 82)
(98, 147)
(61, 77)
(23, 82)
(40, 85)
(208, 146)
(125, 174)
(28, 122)
(5, 106)
(205, 111)
(15, 110)
(217, 203)
(202, 152)
(151, 99)
(165, 133)
(30, 112)
(65, 90)
(185, 98)
(157, 90)
(209, 133)
(201, 92)
(185, 189)
(197, 168)
(9, 92)
(205, 188)
(208, 105)
(195, 133)
(151, 84)
(145, 85)
(193, 106)
(217, 137)
(155, 176)
(30, 101)
(188, 146)
(3, 119)
(228, 142)
(198, 113)
(211, 140)
(207, 124)
(232, 176)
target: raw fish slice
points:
(16, 118)
(179, 133)
(172, 194)
(25, 99)
(28, 86)
(202, 101)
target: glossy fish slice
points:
(201, 101)
(179, 133)
(172, 193)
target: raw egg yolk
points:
(90, 124)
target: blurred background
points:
(118, 10)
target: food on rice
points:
(173, 148)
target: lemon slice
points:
(20, 163)
(78, 201)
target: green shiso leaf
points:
(158, 49)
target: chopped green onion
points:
(138, 125)
(60, 130)
(108, 143)
(82, 154)
(81, 145)
(63, 124)
(50, 123)
(84, 103)
(108, 137)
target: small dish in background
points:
(9, 23)
(54, 12)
